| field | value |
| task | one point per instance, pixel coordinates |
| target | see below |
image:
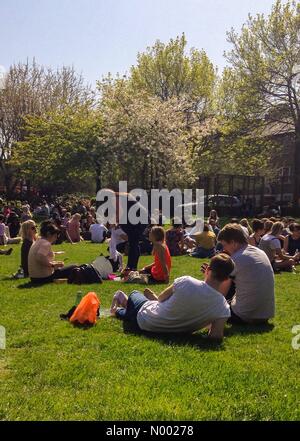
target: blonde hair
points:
(246, 224)
(26, 228)
(277, 228)
(268, 226)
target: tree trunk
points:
(10, 185)
(98, 181)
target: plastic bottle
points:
(79, 296)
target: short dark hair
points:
(221, 266)
(233, 232)
(48, 229)
(294, 227)
(257, 225)
(206, 227)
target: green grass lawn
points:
(53, 371)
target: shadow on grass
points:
(198, 341)
(248, 329)
(28, 285)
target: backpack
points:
(87, 311)
(85, 273)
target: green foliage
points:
(265, 60)
(61, 147)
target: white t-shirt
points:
(269, 244)
(192, 306)
(254, 281)
(97, 231)
(245, 230)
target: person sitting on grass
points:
(213, 225)
(245, 223)
(2, 230)
(205, 243)
(159, 270)
(175, 238)
(186, 306)
(292, 242)
(73, 228)
(28, 234)
(271, 245)
(214, 215)
(258, 231)
(251, 296)
(42, 267)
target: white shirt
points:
(269, 244)
(97, 231)
(192, 306)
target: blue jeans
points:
(134, 304)
(203, 253)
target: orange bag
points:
(86, 311)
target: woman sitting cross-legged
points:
(205, 243)
(186, 306)
(159, 271)
(42, 267)
(270, 244)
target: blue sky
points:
(100, 36)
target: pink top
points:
(73, 228)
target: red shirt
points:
(157, 270)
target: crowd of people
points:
(238, 284)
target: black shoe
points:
(68, 315)
(8, 252)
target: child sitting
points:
(159, 270)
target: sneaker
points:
(8, 252)
(19, 274)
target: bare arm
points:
(286, 245)
(280, 254)
(162, 258)
(216, 331)
(164, 295)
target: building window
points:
(285, 175)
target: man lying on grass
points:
(186, 306)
